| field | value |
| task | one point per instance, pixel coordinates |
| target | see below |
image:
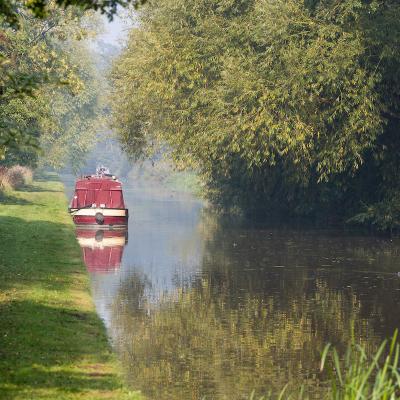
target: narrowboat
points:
(98, 200)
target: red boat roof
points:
(98, 191)
(98, 183)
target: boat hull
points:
(100, 216)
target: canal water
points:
(202, 307)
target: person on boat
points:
(102, 170)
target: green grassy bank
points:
(52, 344)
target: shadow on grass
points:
(36, 189)
(12, 200)
(47, 177)
(39, 344)
(38, 251)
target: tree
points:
(47, 89)
(280, 105)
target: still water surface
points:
(196, 306)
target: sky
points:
(115, 32)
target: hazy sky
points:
(115, 32)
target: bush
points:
(14, 177)
(4, 180)
(384, 216)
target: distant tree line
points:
(283, 106)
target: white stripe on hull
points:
(91, 212)
(106, 242)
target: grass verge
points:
(52, 343)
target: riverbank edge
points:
(52, 343)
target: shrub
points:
(385, 215)
(14, 177)
(19, 176)
(4, 180)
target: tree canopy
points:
(11, 9)
(48, 89)
(281, 105)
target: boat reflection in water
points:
(102, 249)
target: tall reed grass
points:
(356, 376)
(14, 177)
(359, 376)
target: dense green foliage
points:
(48, 90)
(281, 105)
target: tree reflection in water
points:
(257, 314)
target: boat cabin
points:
(102, 192)
(98, 200)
